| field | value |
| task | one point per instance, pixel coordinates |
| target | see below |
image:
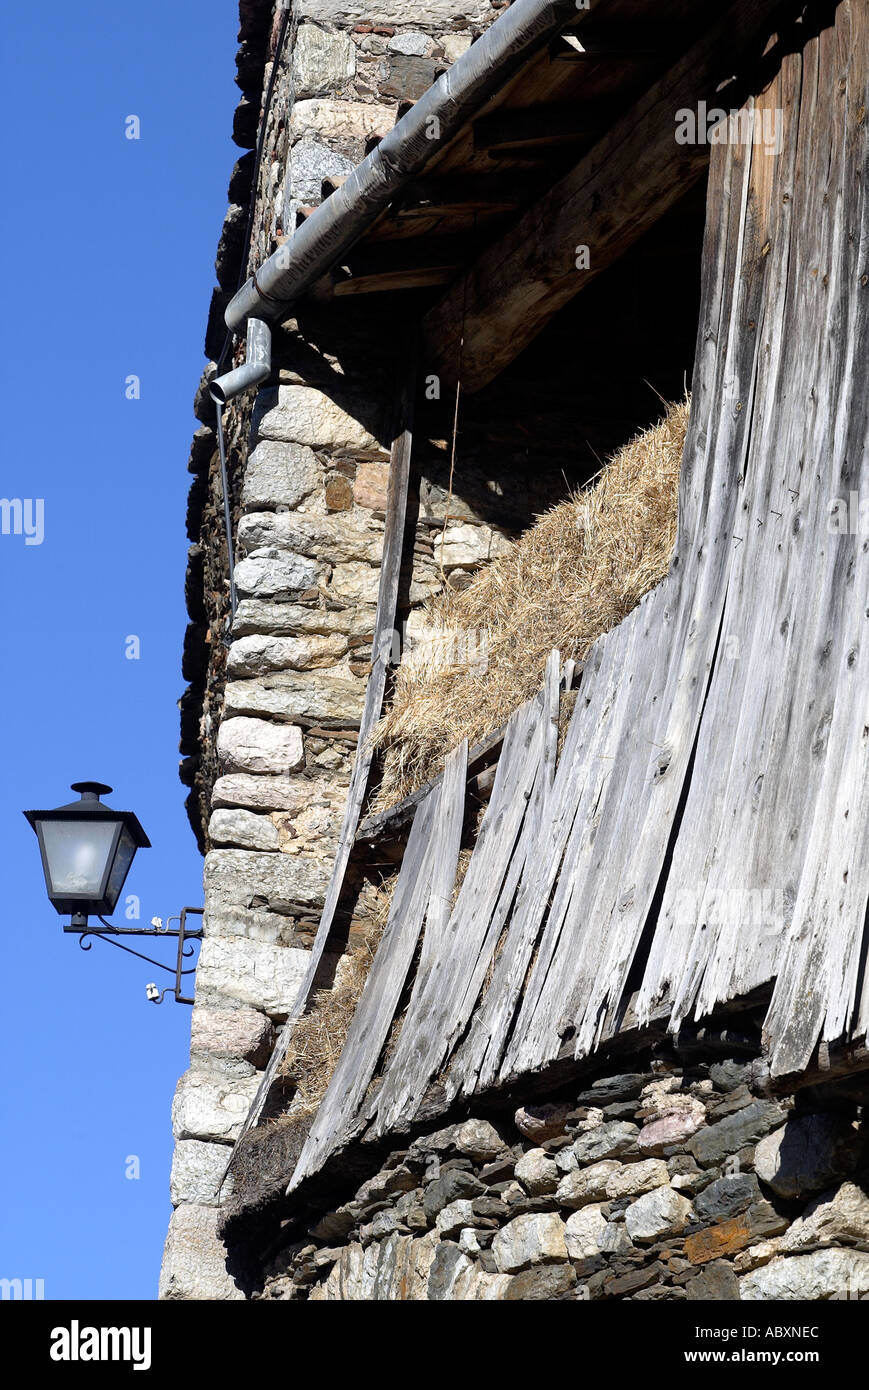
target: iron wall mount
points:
(79, 926)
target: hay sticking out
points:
(319, 1035)
(571, 577)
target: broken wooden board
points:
(775, 842)
(393, 820)
(440, 1005)
(422, 896)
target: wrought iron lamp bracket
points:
(107, 932)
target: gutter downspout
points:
(433, 120)
(255, 369)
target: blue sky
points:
(108, 249)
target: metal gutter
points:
(401, 155)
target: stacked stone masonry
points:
(667, 1184)
(270, 718)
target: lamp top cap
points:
(90, 791)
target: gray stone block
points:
(243, 829)
(194, 1258)
(211, 1107)
(714, 1143)
(323, 63)
(333, 695)
(349, 122)
(253, 617)
(304, 415)
(276, 575)
(657, 1215)
(246, 744)
(310, 163)
(260, 655)
(231, 1032)
(727, 1197)
(608, 1140)
(839, 1217)
(438, 14)
(537, 1238)
(279, 474)
(414, 45)
(323, 538)
(255, 973)
(280, 883)
(408, 77)
(261, 793)
(809, 1153)
(197, 1170)
(823, 1274)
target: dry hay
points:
(266, 1155)
(576, 573)
(319, 1035)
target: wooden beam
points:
(411, 253)
(390, 280)
(395, 819)
(541, 124)
(461, 193)
(827, 1064)
(626, 39)
(631, 177)
(407, 263)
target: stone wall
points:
(270, 718)
(342, 80)
(668, 1184)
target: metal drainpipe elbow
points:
(255, 370)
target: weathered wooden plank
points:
(371, 1022)
(435, 1019)
(646, 731)
(448, 836)
(384, 625)
(552, 682)
(819, 984)
(584, 972)
(422, 894)
(828, 1064)
(443, 875)
(394, 818)
(777, 814)
(540, 1025)
(623, 185)
(538, 860)
(751, 773)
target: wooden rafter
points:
(625, 183)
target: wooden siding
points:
(719, 746)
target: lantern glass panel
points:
(77, 854)
(123, 859)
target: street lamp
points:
(87, 849)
